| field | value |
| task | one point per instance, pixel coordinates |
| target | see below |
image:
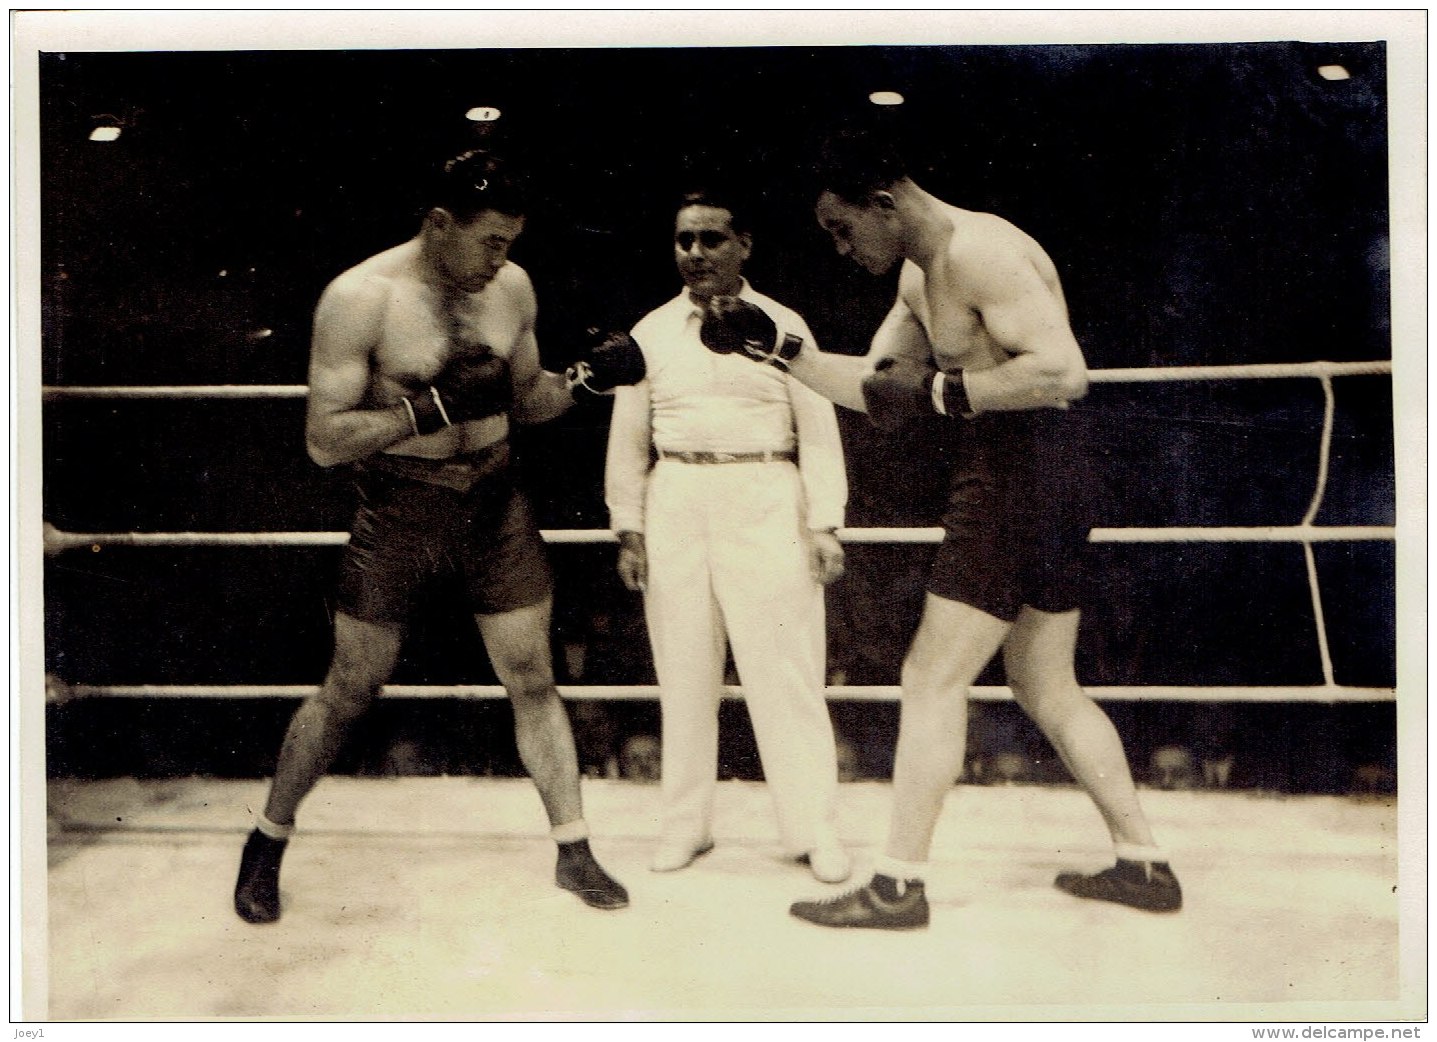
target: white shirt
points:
(694, 400)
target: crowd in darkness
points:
(1205, 205)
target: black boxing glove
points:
(470, 387)
(901, 389)
(897, 391)
(616, 361)
(734, 326)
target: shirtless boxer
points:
(980, 334)
(421, 358)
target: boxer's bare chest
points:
(423, 328)
(952, 322)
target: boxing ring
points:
(1292, 902)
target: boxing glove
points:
(614, 362)
(470, 387)
(734, 326)
(901, 389)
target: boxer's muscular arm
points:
(538, 395)
(839, 378)
(1024, 317)
(347, 324)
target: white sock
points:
(901, 870)
(1135, 852)
(272, 830)
(570, 832)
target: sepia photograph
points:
(682, 516)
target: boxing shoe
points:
(673, 855)
(827, 861)
(578, 872)
(257, 889)
(883, 904)
(1149, 885)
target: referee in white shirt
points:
(725, 483)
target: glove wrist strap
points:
(786, 351)
(950, 394)
(426, 412)
(935, 393)
(577, 378)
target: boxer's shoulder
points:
(372, 283)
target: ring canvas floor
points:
(431, 899)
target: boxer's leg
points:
(953, 644)
(364, 658)
(519, 649)
(1039, 660)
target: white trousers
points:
(728, 552)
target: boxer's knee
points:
(1052, 704)
(357, 674)
(953, 644)
(527, 676)
(519, 650)
(347, 694)
(1044, 684)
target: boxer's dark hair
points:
(721, 198)
(854, 162)
(475, 181)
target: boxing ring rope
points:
(836, 692)
(56, 540)
(1306, 533)
(184, 391)
(1156, 374)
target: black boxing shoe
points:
(578, 872)
(1149, 885)
(257, 890)
(880, 905)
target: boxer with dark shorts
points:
(411, 531)
(421, 358)
(979, 334)
(1012, 533)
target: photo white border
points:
(128, 30)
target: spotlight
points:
(105, 127)
(482, 114)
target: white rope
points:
(1175, 534)
(1324, 455)
(1288, 534)
(1319, 618)
(1258, 371)
(1324, 450)
(1154, 374)
(1306, 533)
(843, 692)
(182, 391)
(57, 540)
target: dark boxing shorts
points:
(1016, 524)
(421, 524)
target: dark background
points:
(1205, 204)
